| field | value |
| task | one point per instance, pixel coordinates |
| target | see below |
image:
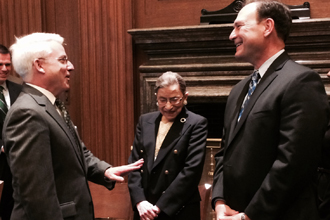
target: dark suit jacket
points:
(268, 162)
(49, 171)
(323, 183)
(171, 181)
(7, 202)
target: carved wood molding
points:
(204, 56)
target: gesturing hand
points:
(117, 173)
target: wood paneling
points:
(106, 90)
(167, 13)
(19, 17)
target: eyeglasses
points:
(173, 100)
(63, 60)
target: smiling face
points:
(170, 110)
(5, 67)
(57, 70)
(248, 35)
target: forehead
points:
(5, 57)
(170, 91)
(57, 49)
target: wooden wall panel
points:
(106, 90)
(61, 17)
(19, 17)
(167, 13)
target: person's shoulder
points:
(150, 115)
(12, 84)
(195, 117)
(297, 71)
(23, 101)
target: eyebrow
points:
(237, 23)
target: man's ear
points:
(38, 65)
(269, 26)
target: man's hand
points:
(224, 212)
(147, 211)
(117, 173)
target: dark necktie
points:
(3, 105)
(252, 86)
(60, 105)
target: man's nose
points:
(70, 66)
(4, 67)
(232, 35)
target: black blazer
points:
(49, 170)
(268, 162)
(7, 201)
(171, 181)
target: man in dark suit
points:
(272, 143)
(49, 163)
(10, 91)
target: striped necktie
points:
(252, 86)
(3, 105)
(65, 114)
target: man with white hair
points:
(49, 162)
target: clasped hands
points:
(147, 211)
(224, 212)
(117, 173)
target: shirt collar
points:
(264, 67)
(4, 85)
(47, 93)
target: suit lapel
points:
(44, 102)
(176, 131)
(238, 106)
(151, 128)
(51, 110)
(265, 81)
(14, 90)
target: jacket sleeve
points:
(217, 187)
(135, 177)
(96, 169)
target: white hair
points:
(31, 47)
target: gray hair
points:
(171, 78)
(31, 47)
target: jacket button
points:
(141, 171)
(141, 151)
(175, 151)
(166, 172)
